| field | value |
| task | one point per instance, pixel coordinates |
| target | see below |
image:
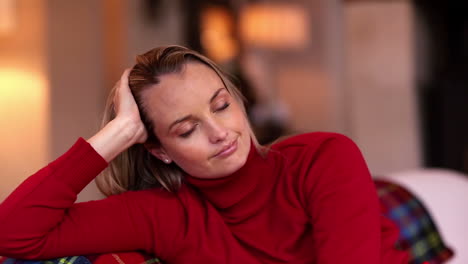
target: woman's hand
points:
(126, 129)
(127, 111)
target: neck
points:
(242, 188)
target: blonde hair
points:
(136, 168)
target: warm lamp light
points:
(279, 26)
(23, 125)
(21, 87)
(217, 34)
(23, 111)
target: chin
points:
(237, 162)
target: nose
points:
(217, 132)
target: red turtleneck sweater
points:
(310, 200)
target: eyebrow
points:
(188, 117)
(216, 94)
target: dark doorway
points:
(443, 86)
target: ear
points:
(159, 152)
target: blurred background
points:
(389, 74)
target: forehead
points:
(181, 94)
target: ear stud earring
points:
(166, 161)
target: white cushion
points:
(445, 195)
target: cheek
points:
(189, 155)
(194, 164)
(238, 120)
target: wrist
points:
(114, 138)
(126, 128)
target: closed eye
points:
(188, 133)
(224, 106)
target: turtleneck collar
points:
(245, 188)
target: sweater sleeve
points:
(343, 206)
(40, 220)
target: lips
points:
(227, 150)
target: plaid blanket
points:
(116, 258)
(418, 233)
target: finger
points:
(117, 84)
(124, 77)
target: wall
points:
(357, 77)
(309, 81)
(75, 62)
(24, 94)
(379, 82)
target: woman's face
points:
(201, 127)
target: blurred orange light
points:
(279, 26)
(217, 34)
(23, 112)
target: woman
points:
(189, 183)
